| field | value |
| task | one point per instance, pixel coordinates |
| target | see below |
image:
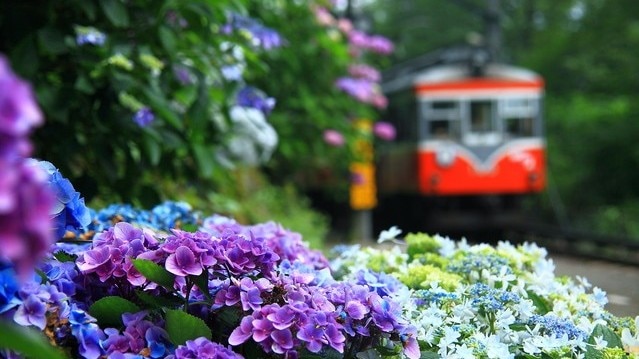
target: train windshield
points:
(443, 119)
(518, 115)
(480, 122)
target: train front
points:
(473, 135)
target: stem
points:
(189, 286)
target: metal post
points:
(492, 19)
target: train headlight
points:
(445, 157)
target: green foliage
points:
(613, 348)
(154, 272)
(302, 78)
(182, 326)
(108, 310)
(164, 55)
(26, 341)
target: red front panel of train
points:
(511, 172)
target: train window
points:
(481, 116)
(517, 115)
(518, 127)
(442, 118)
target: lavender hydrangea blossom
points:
(203, 348)
(25, 201)
(260, 35)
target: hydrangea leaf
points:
(429, 355)
(26, 341)
(202, 282)
(63, 256)
(159, 302)
(108, 310)
(116, 12)
(605, 333)
(182, 326)
(540, 303)
(154, 272)
(369, 354)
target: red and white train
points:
(465, 128)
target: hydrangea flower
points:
(25, 200)
(334, 138)
(384, 130)
(259, 35)
(69, 212)
(204, 349)
(89, 35)
(144, 117)
(253, 98)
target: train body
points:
(464, 130)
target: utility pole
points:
(491, 16)
(492, 21)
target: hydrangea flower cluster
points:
(503, 301)
(69, 213)
(363, 80)
(260, 286)
(260, 35)
(25, 199)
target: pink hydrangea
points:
(384, 130)
(334, 138)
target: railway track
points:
(491, 227)
(577, 243)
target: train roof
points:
(451, 65)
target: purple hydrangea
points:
(364, 71)
(261, 36)
(25, 200)
(203, 348)
(374, 43)
(363, 90)
(251, 97)
(110, 258)
(143, 117)
(139, 335)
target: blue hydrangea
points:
(69, 211)
(557, 327)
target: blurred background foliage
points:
(586, 51)
(221, 103)
(169, 57)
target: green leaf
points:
(429, 355)
(26, 341)
(160, 105)
(63, 256)
(205, 159)
(540, 303)
(83, 85)
(606, 334)
(182, 326)
(89, 9)
(154, 272)
(51, 41)
(153, 150)
(159, 302)
(167, 38)
(202, 282)
(116, 12)
(108, 310)
(369, 354)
